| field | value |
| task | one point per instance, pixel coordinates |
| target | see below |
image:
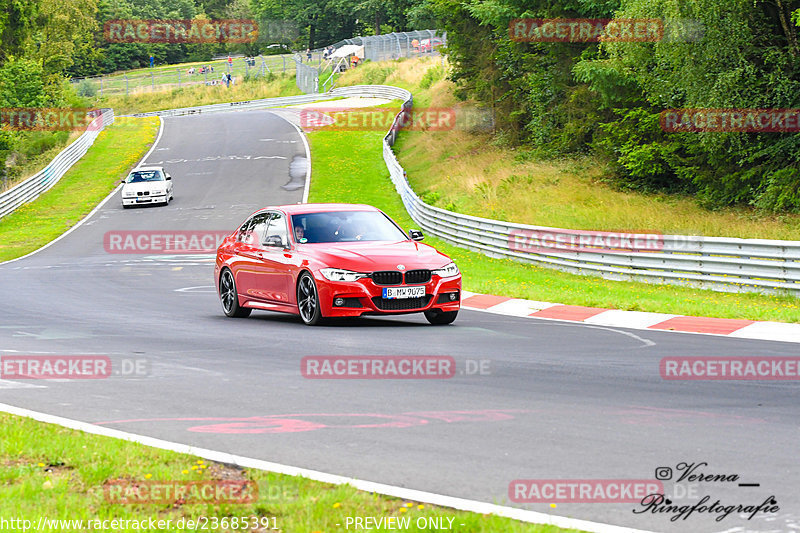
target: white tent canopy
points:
(347, 50)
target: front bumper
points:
(144, 200)
(364, 297)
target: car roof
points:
(296, 209)
(146, 169)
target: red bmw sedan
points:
(333, 260)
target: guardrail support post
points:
(126, 85)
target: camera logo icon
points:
(663, 473)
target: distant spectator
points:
(308, 54)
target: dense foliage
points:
(606, 97)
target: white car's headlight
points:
(447, 271)
(129, 193)
(337, 274)
(156, 192)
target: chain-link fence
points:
(312, 65)
(400, 44)
(307, 75)
(172, 77)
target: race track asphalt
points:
(554, 401)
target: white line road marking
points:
(8, 384)
(368, 486)
(199, 288)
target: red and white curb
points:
(744, 329)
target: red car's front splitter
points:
(364, 293)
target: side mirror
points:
(274, 240)
(122, 181)
(169, 177)
(416, 235)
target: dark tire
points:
(441, 318)
(229, 297)
(126, 206)
(308, 300)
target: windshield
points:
(144, 175)
(345, 226)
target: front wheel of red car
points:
(440, 318)
(308, 300)
(229, 297)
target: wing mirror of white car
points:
(416, 235)
(169, 177)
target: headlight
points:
(447, 271)
(156, 192)
(337, 274)
(130, 193)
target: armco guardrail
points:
(375, 91)
(726, 264)
(720, 263)
(32, 187)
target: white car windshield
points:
(345, 226)
(140, 176)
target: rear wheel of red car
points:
(440, 318)
(308, 300)
(229, 297)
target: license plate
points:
(392, 293)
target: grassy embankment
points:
(117, 149)
(58, 473)
(466, 172)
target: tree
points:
(16, 23)
(60, 26)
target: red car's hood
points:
(372, 256)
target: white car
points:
(147, 185)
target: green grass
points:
(163, 77)
(59, 473)
(197, 95)
(475, 173)
(117, 149)
(362, 177)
